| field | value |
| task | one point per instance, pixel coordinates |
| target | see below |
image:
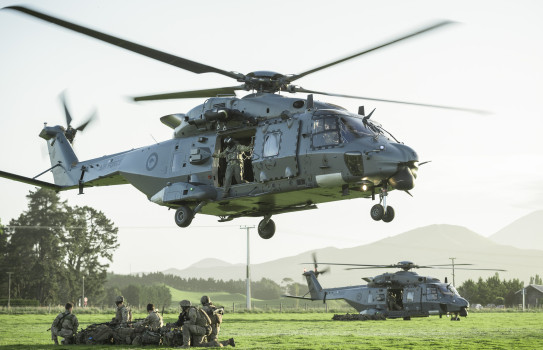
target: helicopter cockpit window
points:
(272, 141)
(353, 128)
(448, 290)
(431, 293)
(325, 131)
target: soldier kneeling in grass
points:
(65, 326)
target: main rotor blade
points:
(173, 60)
(228, 90)
(301, 89)
(418, 32)
(449, 265)
(368, 266)
(459, 268)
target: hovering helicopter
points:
(402, 294)
(302, 152)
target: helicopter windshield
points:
(448, 289)
(352, 128)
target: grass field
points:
(501, 330)
(237, 302)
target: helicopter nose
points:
(404, 178)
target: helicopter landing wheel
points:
(389, 214)
(377, 212)
(183, 216)
(266, 228)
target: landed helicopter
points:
(402, 294)
(302, 152)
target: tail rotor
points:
(70, 130)
(316, 265)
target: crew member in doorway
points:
(233, 154)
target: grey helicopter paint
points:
(402, 294)
(304, 152)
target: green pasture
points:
(500, 330)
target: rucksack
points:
(205, 318)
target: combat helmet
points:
(205, 300)
(185, 303)
(119, 299)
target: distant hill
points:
(525, 233)
(433, 244)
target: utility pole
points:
(83, 296)
(452, 259)
(248, 228)
(9, 289)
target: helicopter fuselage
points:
(303, 153)
(403, 294)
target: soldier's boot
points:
(230, 342)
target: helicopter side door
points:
(412, 298)
(275, 153)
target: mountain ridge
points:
(433, 244)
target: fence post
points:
(281, 307)
(233, 308)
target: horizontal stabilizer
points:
(31, 181)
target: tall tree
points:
(33, 250)
(89, 241)
(51, 246)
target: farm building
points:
(533, 296)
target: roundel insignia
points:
(152, 161)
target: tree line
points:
(491, 291)
(52, 247)
(265, 289)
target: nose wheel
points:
(381, 211)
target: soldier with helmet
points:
(123, 333)
(197, 325)
(65, 325)
(215, 314)
(123, 315)
(232, 153)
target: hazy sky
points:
(485, 170)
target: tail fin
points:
(314, 286)
(62, 156)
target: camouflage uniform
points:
(152, 323)
(196, 325)
(65, 325)
(233, 163)
(215, 315)
(122, 316)
(209, 308)
(122, 334)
